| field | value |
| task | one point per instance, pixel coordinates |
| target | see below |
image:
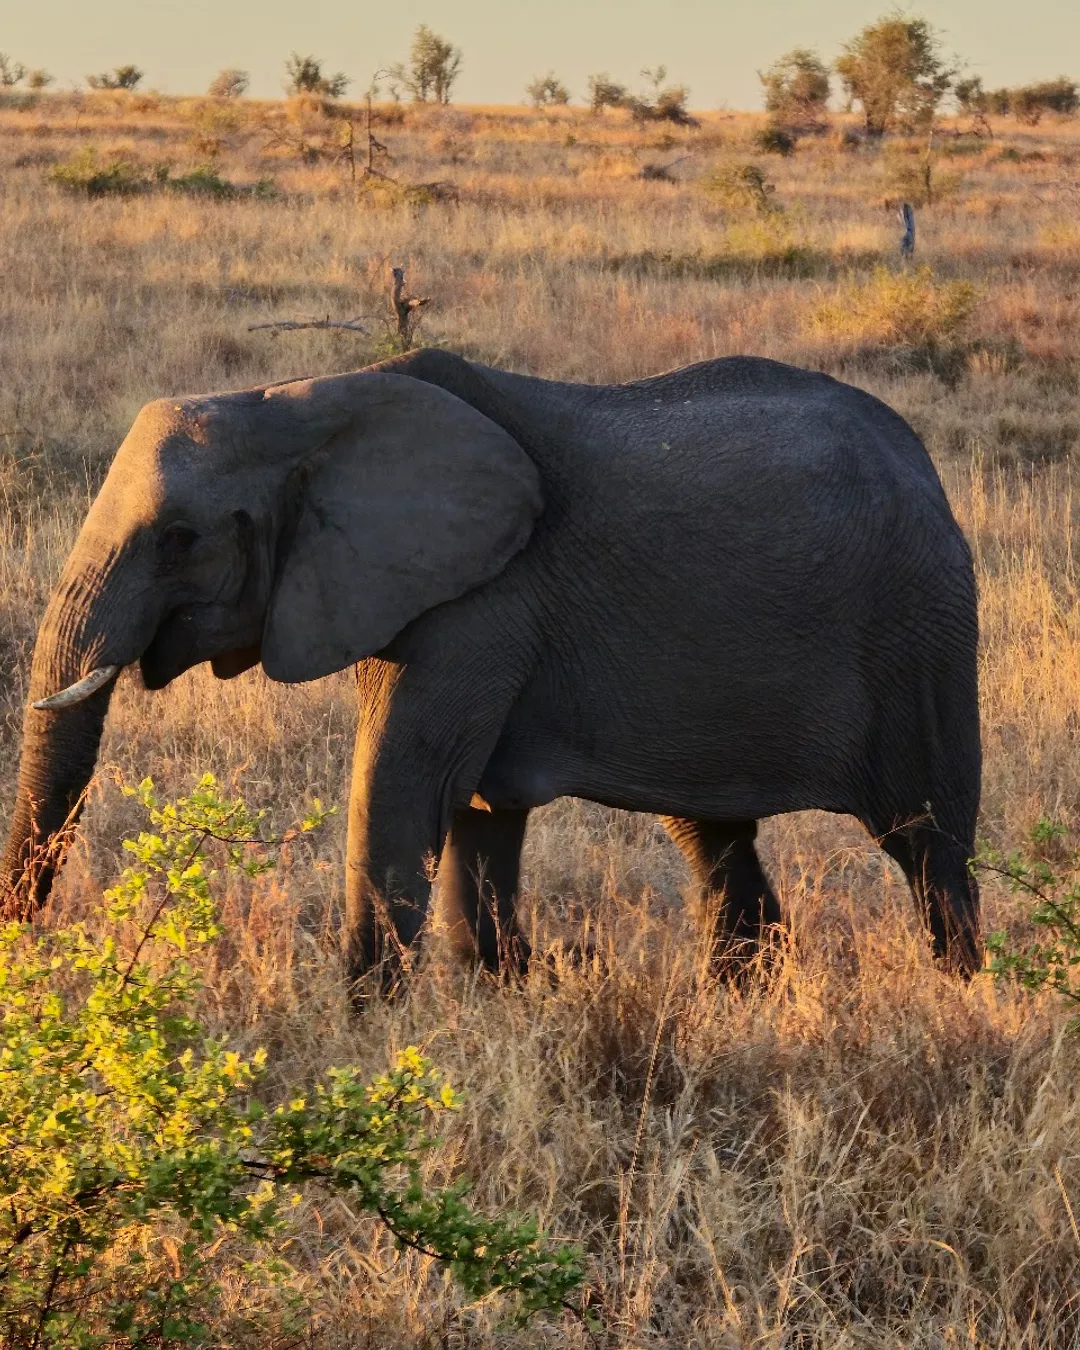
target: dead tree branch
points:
(401, 321)
(290, 325)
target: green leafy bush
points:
(83, 174)
(1048, 873)
(204, 181)
(139, 1165)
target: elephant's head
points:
(303, 525)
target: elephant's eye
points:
(175, 542)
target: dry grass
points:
(862, 1154)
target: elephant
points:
(718, 594)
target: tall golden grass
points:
(862, 1152)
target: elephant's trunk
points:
(78, 635)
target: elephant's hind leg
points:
(478, 884)
(732, 891)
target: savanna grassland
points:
(862, 1152)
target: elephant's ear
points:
(409, 498)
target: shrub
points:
(906, 309)
(122, 77)
(433, 67)
(605, 93)
(204, 181)
(797, 91)
(1029, 103)
(774, 140)
(547, 91)
(910, 174)
(667, 103)
(83, 174)
(670, 106)
(743, 187)
(229, 83)
(39, 79)
(305, 76)
(894, 69)
(771, 243)
(1048, 874)
(139, 1166)
(213, 124)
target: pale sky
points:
(714, 46)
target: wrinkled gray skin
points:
(721, 594)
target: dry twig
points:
(288, 325)
(404, 313)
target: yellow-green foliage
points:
(742, 187)
(902, 308)
(1048, 877)
(911, 173)
(140, 1171)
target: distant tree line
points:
(1027, 103)
(893, 70)
(428, 75)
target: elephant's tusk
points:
(81, 689)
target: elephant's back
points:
(769, 458)
(739, 415)
(764, 473)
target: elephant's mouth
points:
(191, 634)
(172, 648)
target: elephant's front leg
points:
(395, 829)
(423, 738)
